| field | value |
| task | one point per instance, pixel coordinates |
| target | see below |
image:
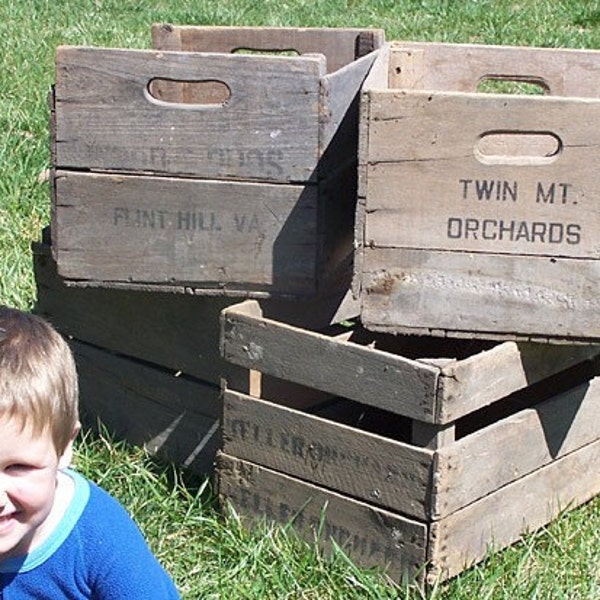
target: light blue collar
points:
(39, 555)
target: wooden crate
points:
(476, 212)
(210, 172)
(427, 459)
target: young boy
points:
(61, 536)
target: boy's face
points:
(29, 467)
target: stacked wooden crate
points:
(433, 424)
(477, 213)
(186, 178)
(449, 428)
(427, 453)
(209, 170)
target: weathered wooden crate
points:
(477, 212)
(213, 172)
(429, 453)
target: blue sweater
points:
(97, 552)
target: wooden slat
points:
(347, 369)
(433, 393)
(340, 91)
(344, 459)
(370, 536)
(486, 377)
(461, 67)
(502, 517)
(157, 229)
(175, 417)
(481, 463)
(176, 331)
(340, 46)
(480, 295)
(106, 118)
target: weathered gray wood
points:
(466, 179)
(369, 467)
(509, 449)
(480, 295)
(522, 506)
(107, 119)
(424, 201)
(430, 436)
(478, 380)
(157, 229)
(340, 93)
(175, 331)
(340, 46)
(164, 119)
(433, 393)
(175, 417)
(347, 369)
(376, 79)
(370, 536)
(462, 67)
(350, 54)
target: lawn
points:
(211, 555)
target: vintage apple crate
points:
(427, 454)
(477, 211)
(218, 167)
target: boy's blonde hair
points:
(38, 378)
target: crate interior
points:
(437, 351)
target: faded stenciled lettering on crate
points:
(142, 155)
(316, 454)
(506, 194)
(357, 542)
(187, 221)
(269, 161)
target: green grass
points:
(211, 555)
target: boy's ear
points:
(67, 456)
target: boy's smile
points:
(30, 506)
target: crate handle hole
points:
(269, 51)
(190, 93)
(518, 147)
(513, 84)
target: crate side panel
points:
(339, 118)
(512, 297)
(489, 459)
(158, 229)
(431, 184)
(171, 416)
(106, 117)
(499, 519)
(339, 45)
(176, 331)
(366, 466)
(462, 67)
(370, 376)
(479, 380)
(335, 240)
(372, 537)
